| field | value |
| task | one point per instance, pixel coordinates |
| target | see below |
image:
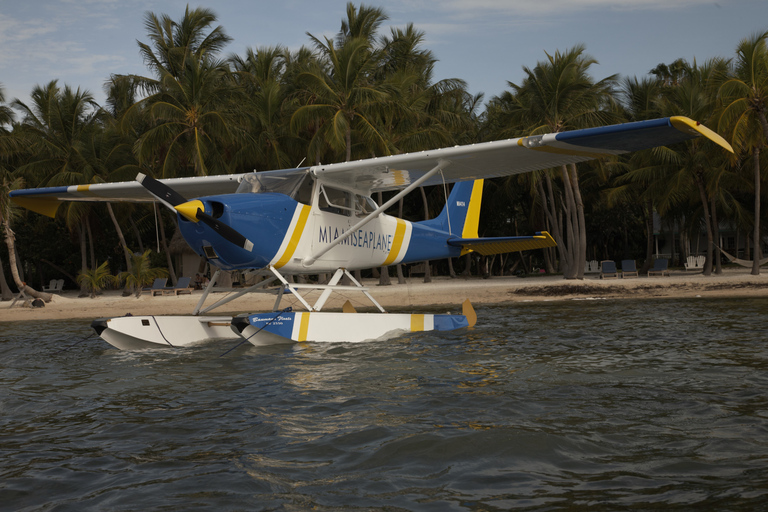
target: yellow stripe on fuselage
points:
(303, 327)
(397, 243)
(473, 211)
(295, 237)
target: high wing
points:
(459, 163)
(512, 156)
(46, 200)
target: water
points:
(599, 405)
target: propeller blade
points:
(161, 191)
(226, 232)
(192, 210)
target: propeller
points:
(192, 210)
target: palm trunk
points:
(92, 251)
(707, 223)
(467, 272)
(581, 254)
(648, 237)
(7, 294)
(136, 234)
(10, 241)
(756, 234)
(716, 236)
(550, 210)
(168, 259)
(451, 271)
(126, 251)
(427, 269)
(571, 225)
(83, 257)
(348, 140)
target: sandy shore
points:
(442, 291)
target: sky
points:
(483, 42)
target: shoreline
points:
(732, 283)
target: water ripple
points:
(603, 405)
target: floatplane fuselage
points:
(317, 228)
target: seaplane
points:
(321, 219)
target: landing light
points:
(210, 253)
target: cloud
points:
(534, 8)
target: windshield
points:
(295, 184)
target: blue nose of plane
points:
(262, 218)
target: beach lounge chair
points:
(157, 286)
(659, 268)
(182, 286)
(608, 270)
(592, 267)
(56, 286)
(628, 268)
(695, 262)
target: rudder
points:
(461, 214)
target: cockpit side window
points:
(334, 200)
(364, 205)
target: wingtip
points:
(685, 124)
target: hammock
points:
(743, 263)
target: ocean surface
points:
(567, 405)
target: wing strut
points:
(308, 261)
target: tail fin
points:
(461, 213)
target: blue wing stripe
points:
(627, 136)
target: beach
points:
(442, 291)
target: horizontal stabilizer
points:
(502, 244)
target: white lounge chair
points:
(55, 286)
(695, 262)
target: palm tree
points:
(266, 104)
(6, 179)
(339, 98)
(58, 126)
(193, 119)
(189, 110)
(640, 181)
(173, 42)
(556, 95)
(141, 274)
(96, 279)
(362, 22)
(690, 174)
(745, 99)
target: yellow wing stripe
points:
(46, 207)
(295, 237)
(489, 248)
(397, 243)
(303, 326)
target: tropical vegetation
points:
(365, 93)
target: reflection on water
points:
(560, 405)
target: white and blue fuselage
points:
(286, 232)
